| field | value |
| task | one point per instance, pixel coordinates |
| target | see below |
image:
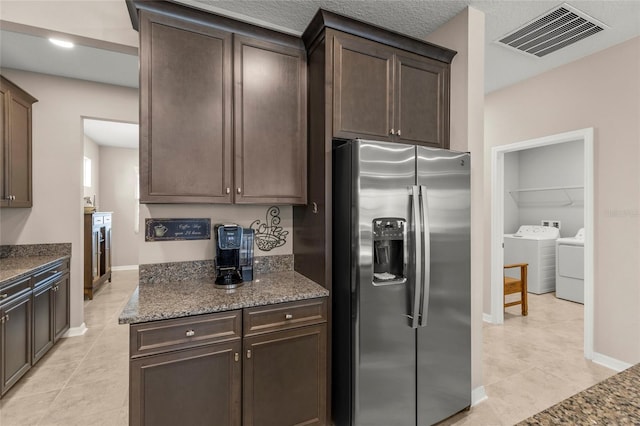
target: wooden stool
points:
(517, 285)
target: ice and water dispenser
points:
(388, 251)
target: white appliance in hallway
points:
(535, 245)
(570, 267)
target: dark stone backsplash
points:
(28, 250)
(198, 269)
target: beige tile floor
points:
(530, 363)
(82, 380)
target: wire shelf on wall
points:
(560, 196)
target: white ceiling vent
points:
(558, 28)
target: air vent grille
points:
(556, 29)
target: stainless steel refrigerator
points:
(401, 346)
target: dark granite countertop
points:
(614, 401)
(158, 301)
(19, 266)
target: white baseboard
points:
(125, 268)
(76, 331)
(487, 318)
(612, 363)
(478, 395)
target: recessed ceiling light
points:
(61, 43)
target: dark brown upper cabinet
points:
(222, 109)
(270, 122)
(15, 145)
(388, 94)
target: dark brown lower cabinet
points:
(61, 311)
(15, 340)
(43, 308)
(285, 378)
(190, 387)
(203, 370)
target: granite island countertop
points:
(614, 401)
(19, 266)
(158, 301)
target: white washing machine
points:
(570, 268)
(535, 245)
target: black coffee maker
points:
(234, 255)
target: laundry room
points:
(543, 215)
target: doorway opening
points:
(496, 315)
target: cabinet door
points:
(61, 320)
(270, 123)
(190, 387)
(19, 152)
(284, 379)
(422, 101)
(107, 250)
(95, 252)
(15, 341)
(185, 112)
(4, 140)
(362, 88)
(43, 308)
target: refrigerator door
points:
(384, 350)
(444, 338)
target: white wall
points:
(118, 182)
(92, 151)
(600, 91)
(58, 150)
(511, 182)
(553, 166)
(465, 34)
(178, 251)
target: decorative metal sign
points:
(177, 229)
(269, 235)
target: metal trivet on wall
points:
(268, 234)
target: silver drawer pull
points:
(190, 333)
(288, 316)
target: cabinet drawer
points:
(98, 220)
(283, 316)
(168, 335)
(14, 288)
(58, 268)
(107, 219)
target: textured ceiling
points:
(25, 23)
(418, 18)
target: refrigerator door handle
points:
(415, 255)
(425, 240)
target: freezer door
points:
(384, 350)
(444, 338)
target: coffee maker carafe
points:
(234, 255)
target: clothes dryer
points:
(535, 245)
(570, 268)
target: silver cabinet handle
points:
(3, 295)
(236, 357)
(239, 191)
(398, 132)
(249, 353)
(6, 318)
(1, 320)
(288, 316)
(392, 132)
(228, 190)
(190, 333)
